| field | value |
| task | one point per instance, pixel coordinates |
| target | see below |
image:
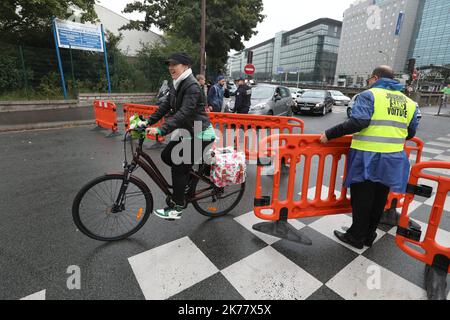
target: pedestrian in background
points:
(243, 97)
(208, 86)
(382, 119)
(446, 95)
(202, 82)
(216, 95)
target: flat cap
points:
(180, 58)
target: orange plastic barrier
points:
(106, 115)
(253, 127)
(408, 239)
(415, 144)
(130, 109)
(300, 150)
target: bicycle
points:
(113, 207)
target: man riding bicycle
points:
(185, 107)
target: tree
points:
(151, 58)
(29, 21)
(228, 23)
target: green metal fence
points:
(32, 73)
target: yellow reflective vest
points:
(388, 129)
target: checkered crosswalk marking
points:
(439, 144)
(363, 279)
(36, 296)
(269, 275)
(278, 269)
(168, 269)
(328, 224)
(433, 151)
(275, 272)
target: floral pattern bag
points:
(228, 166)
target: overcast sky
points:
(280, 14)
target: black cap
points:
(240, 78)
(180, 58)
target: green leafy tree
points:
(228, 23)
(151, 58)
(29, 21)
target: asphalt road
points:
(41, 171)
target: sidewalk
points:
(433, 110)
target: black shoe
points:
(369, 241)
(345, 237)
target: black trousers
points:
(173, 156)
(368, 200)
(243, 110)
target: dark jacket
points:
(215, 97)
(243, 98)
(184, 106)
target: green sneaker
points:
(169, 213)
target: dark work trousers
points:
(368, 200)
(180, 165)
(243, 110)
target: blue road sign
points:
(79, 36)
(280, 70)
(401, 15)
(72, 35)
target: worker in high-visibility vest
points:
(382, 120)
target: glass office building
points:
(432, 42)
(375, 32)
(307, 54)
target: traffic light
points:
(249, 57)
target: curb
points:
(47, 125)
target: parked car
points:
(268, 99)
(315, 101)
(350, 105)
(352, 102)
(300, 92)
(339, 98)
(295, 92)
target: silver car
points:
(339, 98)
(268, 99)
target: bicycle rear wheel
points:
(93, 208)
(218, 201)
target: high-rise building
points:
(375, 32)
(431, 43)
(307, 53)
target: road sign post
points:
(72, 35)
(58, 55)
(106, 60)
(249, 69)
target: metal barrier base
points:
(391, 217)
(435, 283)
(97, 128)
(113, 134)
(284, 230)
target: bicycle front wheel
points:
(216, 202)
(94, 212)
